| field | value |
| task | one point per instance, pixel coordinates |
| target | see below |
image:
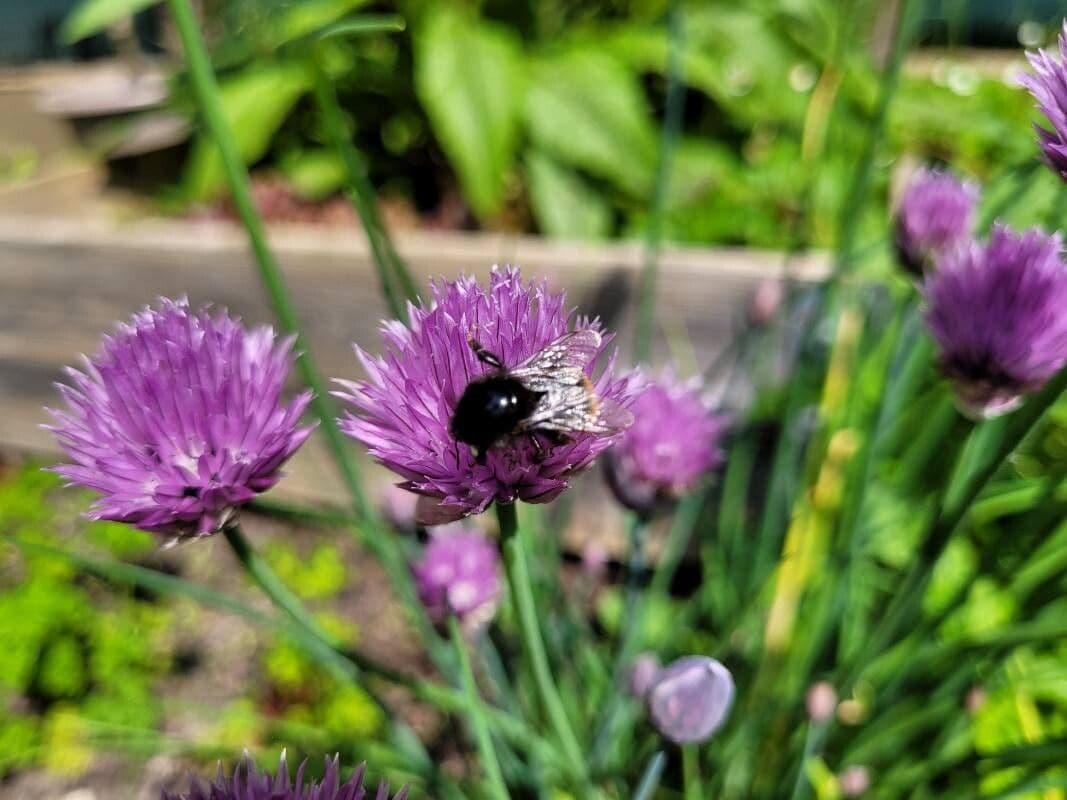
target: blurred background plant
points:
(544, 116)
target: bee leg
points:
(539, 450)
(479, 455)
(484, 355)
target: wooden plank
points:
(64, 281)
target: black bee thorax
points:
(491, 409)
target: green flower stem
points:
(272, 586)
(678, 536)
(691, 772)
(813, 744)
(855, 203)
(397, 285)
(650, 779)
(476, 712)
(1013, 430)
(206, 90)
(343, 666)
(518, 575)
(671, 131)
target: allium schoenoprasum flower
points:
(248, 783)
(459, 573)
(674, 442)
(934, 217)
(402, 411)
(998, 312)
(1048, 84)
(179, 419)
(690, 699)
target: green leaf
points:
(365, 24)
(256, 102)
(565, 206)
(307, 17)
(314, 174)
(588, 110)
(469, 77)
(93, 16)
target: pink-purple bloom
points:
(248, 783)
(178, 420)
(1048, 85)
(674, 442)
(690, 699)
(459, 573)
(644, 672)
(998, 311)
(402, 411)
(935, 216)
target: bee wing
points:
(612, 418)
(563, 361)
(574, 409)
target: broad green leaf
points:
(565, 206)
(314, 174)
(255, 102)
(732, 55)
(587, 109)
(469, 77)
(93, 16)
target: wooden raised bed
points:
(65, 281)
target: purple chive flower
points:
(178, 420)
(935, 216)
(690, 699)
(459, 573)
(674, 441)
(1048, 85)
(248, 783)
(999, 314)
(401, 413)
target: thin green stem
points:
(952, 513)
(476, 712)
(691, 772)
(206, 90)
(518, 575)
(650, 779)
(852, 210)
(396, 282)
(343, 666)
(813, 744)
(272, 586)
(671, 131)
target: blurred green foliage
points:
(546, 115)
(66, 673)
(73, 683)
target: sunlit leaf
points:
(256, 103)
(588, 109)
(91, 17)
(314, 174)
(469, 77)
(363, 25)
(565, 206)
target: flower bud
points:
(644, 672)
(690, 699)
(821, 701)
(854, 781)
